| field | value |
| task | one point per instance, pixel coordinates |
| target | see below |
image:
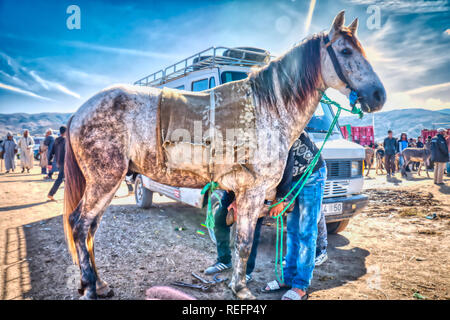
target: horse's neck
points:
(293, 120)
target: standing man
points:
(43, 152)
(439, 154)
(26, 144)
(419, 142)
(390, 150)
(48, 142)
(302, 222)
(58, 151)
(9, 149)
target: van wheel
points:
(338, 226)
(144, 197)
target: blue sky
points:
(45, 67)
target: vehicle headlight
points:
(356, 168)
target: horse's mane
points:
(298, 72)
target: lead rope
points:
(305, 176)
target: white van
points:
(217, 65)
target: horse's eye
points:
(346, 52)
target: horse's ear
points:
(354, 26)
(338, 23)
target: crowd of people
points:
(51, 155)
(438, 145)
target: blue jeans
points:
(302, 232)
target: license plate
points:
(330, 209)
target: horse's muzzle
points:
(372, 98)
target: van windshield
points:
(321, 121)
(228, 76)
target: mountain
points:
(36, 123)
(410, 121)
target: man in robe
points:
(9, 149)
(26, 144)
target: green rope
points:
(303, 179)
(210, 188)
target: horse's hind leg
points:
(102, 288)
(249, 205)
(93, 204)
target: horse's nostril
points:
(377, 95)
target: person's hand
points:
(275, 211)
(49, 167)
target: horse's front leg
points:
(249, 204)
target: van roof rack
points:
(206, 59)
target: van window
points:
(200, 85)
(180, 87)
(212, 82)
(229, 76)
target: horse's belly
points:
(188, 157)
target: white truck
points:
(343, 196)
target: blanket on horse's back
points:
(206, 132)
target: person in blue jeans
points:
(302, 222)
(300, 155)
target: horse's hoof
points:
(245, 294)
(105, 292)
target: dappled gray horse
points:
(124, 128)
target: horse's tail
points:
(75, 184)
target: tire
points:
(143, 196)
(338, 226)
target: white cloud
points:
(24, 92)
(406, 6)
(114, 50)
(435, 87)
(50, 85)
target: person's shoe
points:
(321, 258)
(28, 170)
(50, 198)
(217, 267)
(7, 171)
(23, 170)
(248, 278)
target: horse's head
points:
(345, 66)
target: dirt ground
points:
(389, 251)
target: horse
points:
(369, 158)
(379, 154)
(117, 131)
(421, 155)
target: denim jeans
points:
(54, 169)
(222, 233)
(57, 182)
(302, 229)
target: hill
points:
(36, 123)
(411, 121)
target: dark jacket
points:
(59, 151)
(420, 144)
(300, 156)
(439, 149)
(390, 146)
(49, 141)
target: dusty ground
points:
(390, 251)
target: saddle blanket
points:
(206, 131)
